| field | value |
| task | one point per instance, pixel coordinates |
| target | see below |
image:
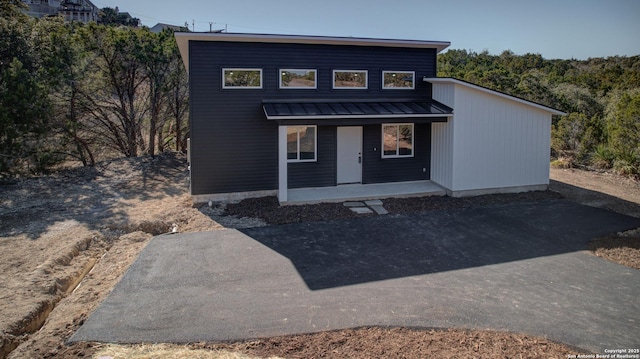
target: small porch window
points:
(301, 143)
(397, 140)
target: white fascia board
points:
(183, 39)
(448, 80)
(347, 117)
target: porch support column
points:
(282, 163)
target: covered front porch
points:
(343, 155)
(362, 192)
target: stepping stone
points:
(353, 204)
(379, 209)
(373, 202)
(361, 210)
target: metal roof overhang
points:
(349, 112)
(183, 39)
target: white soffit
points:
(448, 80)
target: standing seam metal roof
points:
(350, 109)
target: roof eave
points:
(337, 117)
(450, 80)
(183, 38)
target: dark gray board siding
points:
(321, 173)
(233, 147)
(376, 169)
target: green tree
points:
(600, 95)
(155, 57)
(24, 104)
(112, 17)
(117, 104)
(12, 9)
(70, 92)
(178, 101)
(623, 125)
(85, 92)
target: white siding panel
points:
(442, 139)
(442, 153)
(444, 93)
(497, 142)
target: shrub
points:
(624, 167)
(562, 162)
(602, 157)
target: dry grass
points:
(562, 162)
(622, 248)
(360, 343)
(149, 351)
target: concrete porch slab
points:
(361, 192)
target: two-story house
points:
(271, 114)
(71, 10)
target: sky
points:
(556, 29)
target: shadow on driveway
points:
(347, 252)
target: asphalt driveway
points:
(519, 267)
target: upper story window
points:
(398, 80)
(397, 140)
(242, 78)
(349, 79)
(298, 79)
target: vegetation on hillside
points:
(600, 96)
(85, 92)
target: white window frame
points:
(413, 82)
(366, 80)
(315, 145)
(224, 86)
(315, 85)
(413, 137)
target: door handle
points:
(359, 159)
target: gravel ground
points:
(269, 210)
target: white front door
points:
(349, 154)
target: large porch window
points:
(397, 140)
(301, 143)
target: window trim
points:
(413, 82)
(315, 84)
(315, 145)
(224, 86)
(366, 80)
(413, 136)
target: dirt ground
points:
(67, 238)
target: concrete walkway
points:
(517, 267)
